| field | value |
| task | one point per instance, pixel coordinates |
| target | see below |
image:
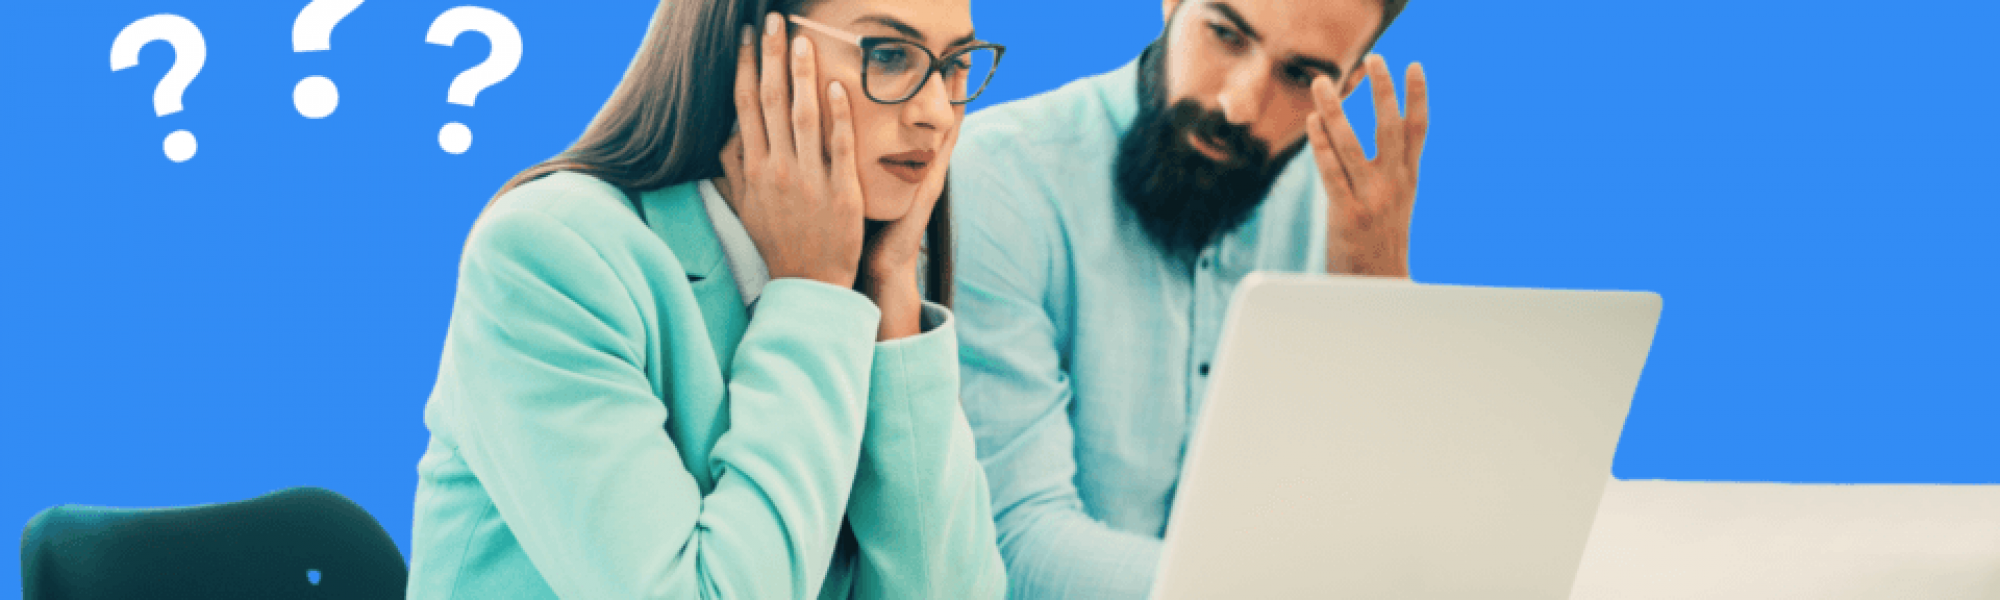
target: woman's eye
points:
(957, 65)
(890, 58)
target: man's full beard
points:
(1184, 199)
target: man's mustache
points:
(1190, 117)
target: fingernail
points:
(834, 91)
(799, 46)
(747, 36)
(773, 24)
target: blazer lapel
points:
(677, 215)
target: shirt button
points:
(1204, 369)
(1204, 262)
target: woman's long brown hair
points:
(668, 119)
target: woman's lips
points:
(908, 166)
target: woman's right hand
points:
(802, 210)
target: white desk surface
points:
(1723, 541)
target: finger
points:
(1333, 120)
(1419, 122)
(846, 174)
(1389, 133)
(1338, 189)
(749, 115)
(773, 90)
(805, 107)
(732, 159)
(938, 180)
(908, 231)
(933, 187)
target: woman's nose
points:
(931, 108)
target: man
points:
(1103, 227)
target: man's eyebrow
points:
(1230, 13)
(1331, 68)
(907, 31)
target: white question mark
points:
(312, 31)
(190, 52)
(455, 137)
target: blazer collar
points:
(676, 214)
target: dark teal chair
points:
(305, 543)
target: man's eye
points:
(1228, 36)
(1298, 76)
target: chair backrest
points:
(1742, 541)
(294, 543)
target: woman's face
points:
(898, 147)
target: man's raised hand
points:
(1369, 202)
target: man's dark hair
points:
(1390, 8)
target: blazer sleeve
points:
(557, 418)
(921, 514)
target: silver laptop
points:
(1373, 439)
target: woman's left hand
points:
(893, 256)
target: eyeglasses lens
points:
(896, 69)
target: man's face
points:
(1224, 95)
(1253, 62)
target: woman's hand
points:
(802, 210)
(894, 253)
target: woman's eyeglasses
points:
(895, 69)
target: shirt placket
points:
(1206, 320)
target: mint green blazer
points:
(609, 423)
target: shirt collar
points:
(746, 265)
(1120, 90)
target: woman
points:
(691, 356)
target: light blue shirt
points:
(1083, 349)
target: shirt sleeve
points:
(1017, 397)
(553, 411)
(921, 514)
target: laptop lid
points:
(1365, 438)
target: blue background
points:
(1802, 181)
